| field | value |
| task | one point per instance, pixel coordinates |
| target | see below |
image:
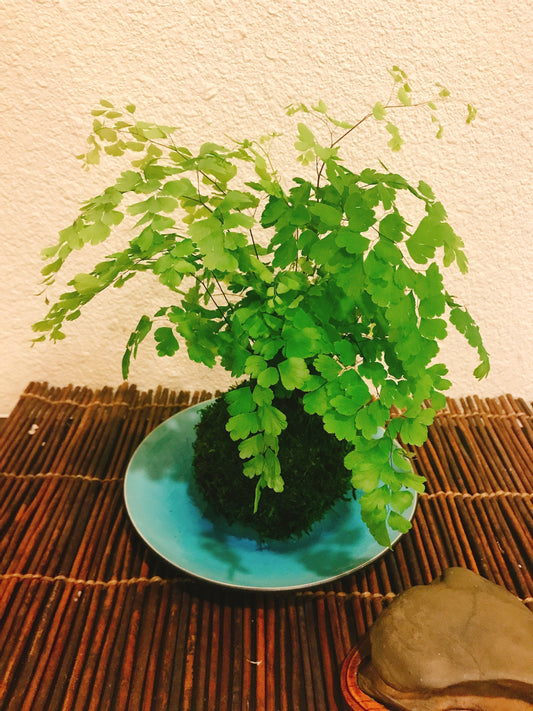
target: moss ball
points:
(312, 468)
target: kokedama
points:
(321, 296)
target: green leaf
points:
(292, 109)
(371, 417)
(327, 366)
(392, 227)
(240, 426)
(326, 154)
(401, 500)
(87, 283)
(167, 343)
(374, 372)
(324, 251)
(136, 146)
(316, 402)
(128, 180)
(113, 217)
(293, 373)
(354, 386)
(379, 111)
(438, 401)
(321, 107)
(376, 501)
(233, 355)
(305, 136)
(107, 134)
(268, 377)
(388, 252)
(52, 267)
(252, 446)
(465, 324)
(238, 200)
(166, 203)
(285, 254)
(301, 342)
(269, 347)
(291, 281)
(272, 420)
(472, 113)
(397, 74)
(255, 365)
(274, 209)
(92, 157)
(352, 241)
(328, 214)
(345, 352)
(431, 306)
(433, 328)
(49, 252)
(414, 481)
(398, 522)
(396, 141)
(263, 395)
(142, 329)
(413, 432)
(425, 190)
(425, 240)
(360, 216)
(240, 401)
(342, 426)
(345, 405)
(482, 370)
(375, 520)
(272, 471)
(209, 236)
(366, 470)
(182, 188)
(404, 95)
(426, 416)
(115, 149)
(95, 233)
(313, 382)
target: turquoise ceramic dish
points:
(167, 513)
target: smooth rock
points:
(461, 642)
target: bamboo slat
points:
(90, 618)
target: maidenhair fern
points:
(325, 287)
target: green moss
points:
(311, 463)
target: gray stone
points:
(461, 642)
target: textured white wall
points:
(229, 67)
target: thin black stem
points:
(356, 125)
(253, 243)
(223, 315)
(221, 290)
(334, 143)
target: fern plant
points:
(323, 286)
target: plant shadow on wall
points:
(321, 295)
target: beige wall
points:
(229, 67)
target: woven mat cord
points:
(90, 618)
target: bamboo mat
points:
(90, 618)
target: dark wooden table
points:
(90, 618)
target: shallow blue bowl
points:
(167, 512)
